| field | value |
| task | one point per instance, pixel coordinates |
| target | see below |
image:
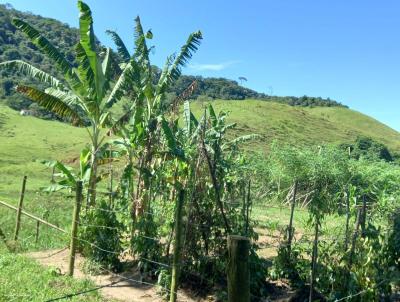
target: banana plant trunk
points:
(93, 167)
(131, 190)
(142, 193)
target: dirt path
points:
(125, 290)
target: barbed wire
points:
(53, 254)
(113, 274)
(305, 238)
(277, 244)
(69, 296)
(362, 291)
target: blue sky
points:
(346, 50)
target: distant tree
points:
(242, 79)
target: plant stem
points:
(314, 260)
(216, 189)
(177, 246)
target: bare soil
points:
(126, 290)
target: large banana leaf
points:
(66, 172)
(171, 141)
(106, 67)
(180, 61)
(87, 41)
(190, 120)
(84, 165)
(32, 71)
(128, 80)
(45, 46)
(186, 53)
(85, 71)
(142, 57)
(213, 116)
(67, 97)
(162, 82)
(50, 103)
(121, 48)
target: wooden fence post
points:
(353, 246)
(354, 239)
(248, 206)
(176, 265)
(21, 200)
(314, 261)
(292, 207)
(74, 230)
(238, 269)
(37, 232)
(346, 240)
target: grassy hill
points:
(25, 140)
(303, 125)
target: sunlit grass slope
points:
(302, 126)
(25, 140)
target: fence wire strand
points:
(279, 243)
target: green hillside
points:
(24, 140)
(303, 125)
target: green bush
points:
(99, 232)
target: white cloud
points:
(212, 67)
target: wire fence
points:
(279, 242)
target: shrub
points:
(99, 232)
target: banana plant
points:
(183, 144)
(66, 176)
(185, 148)
(84, 96)
(140, 127)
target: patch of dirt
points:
(126, 290)
(72, 160)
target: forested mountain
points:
(15, 46)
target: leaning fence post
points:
(37, 232)
(238, 269)
(346, 241)
(291, 230)
(314, 261)
(353, 246)
(248, 206)
(74, 230)
(177, 246)
(21, 200)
